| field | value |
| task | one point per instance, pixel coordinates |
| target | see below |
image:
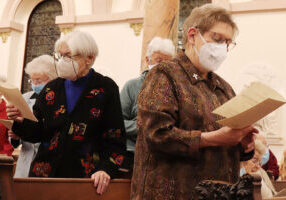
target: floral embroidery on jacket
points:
(77, 130)
(54, 141)
(112, 133)
(88, 164)
(95, 113)
(50, 96)
(116, 159)
(42, 169)
(95, 92)
(61, 110)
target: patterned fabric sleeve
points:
(113, 145)
(28, 130)
(158, 116)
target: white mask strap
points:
(203, 39)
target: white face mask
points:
(211, 54)
(67, 69)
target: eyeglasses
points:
(37, 81)
(220, 39)
(57, 56)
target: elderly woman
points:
(254, 166)
(80, 124)
(41, 70)
(158, 50)
(179, 142)
(5, 146)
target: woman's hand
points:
(101, 181)
(226, 136)
(14, 113)
(248, 143)
(12, 135)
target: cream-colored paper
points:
(14, 97)
(251, 105)
(7, 123)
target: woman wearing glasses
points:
(179, 142)
(41, 70)
(80, 123)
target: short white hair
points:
(161, 45)
(43, 64)
(79, 43)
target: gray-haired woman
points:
(80, 126)
(41, 70)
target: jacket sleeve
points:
(127, 101)
(113, 145)
(15, 143)
(158, 117)
(28, 130)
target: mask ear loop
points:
(74, 70)
(55, 65)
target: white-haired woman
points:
(158, 50)
(41, 70)
(80, 124)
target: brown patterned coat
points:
(174, 107)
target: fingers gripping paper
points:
(251, 105)
(15, 98)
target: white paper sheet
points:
(14, 97)
(251, 105)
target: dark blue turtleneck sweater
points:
(74, 89)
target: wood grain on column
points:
(161, 19)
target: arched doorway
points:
(42, 33)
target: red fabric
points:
(272, 165)
(5, 146)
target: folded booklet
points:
(14, 97)
(251, 105)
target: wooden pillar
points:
(6, 178)
(161, 19)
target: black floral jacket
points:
(77, 144)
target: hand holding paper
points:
(14, 97)
(251, 105)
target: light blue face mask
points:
(265, 157)
(242, 171)
(38, 88)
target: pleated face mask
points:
(67, 69)
(211, 54)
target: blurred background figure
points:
(268, 160)
(158, 50)
(5, 146)
(254, 166)
(41, 70)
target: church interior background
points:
(122, 28)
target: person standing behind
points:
(5, 146)
(41, 71)
(158, 50)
